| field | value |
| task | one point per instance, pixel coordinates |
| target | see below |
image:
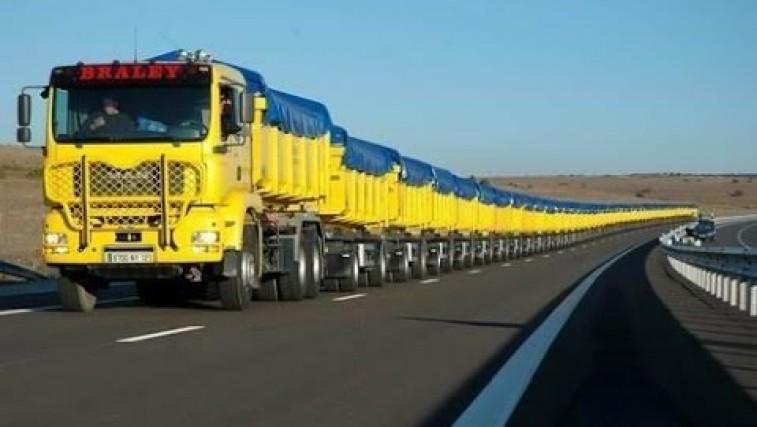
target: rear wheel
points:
(293, 283)
(352, 280)
(402, 271)
(434, 266)
(377, 274)
(314, 255)
(420, 264)
(77, 294)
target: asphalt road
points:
(407, 354)
(739, 234)
(643, 349)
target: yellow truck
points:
(192, 176)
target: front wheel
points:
(236, 290)
(77, 294)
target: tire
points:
(435, 266)
(268, 290)
(293, 284)
(421, 263)
(351, 282)
(448, 262)
(314, 253)
(77, 294)
(377, 275)
(402, 274)
(236, 291)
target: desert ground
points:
(22, 209)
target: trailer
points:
(193, 177)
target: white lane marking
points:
(476, 271)
(572, 249)
(427, 281)
(560, 252)
(58, 307)
(740, 235)
(497, 401)
(153, 335)
(348, 297)
(507, 264)
(545, 256)
(528, 260)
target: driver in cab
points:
(109, 120)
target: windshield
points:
(131, 113)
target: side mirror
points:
(24, 135)
(246, 103)
(24, 110)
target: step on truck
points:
(194, 178)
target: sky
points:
(480, 87)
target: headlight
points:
(205, 237)
(55, 239)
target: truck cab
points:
(146, 172)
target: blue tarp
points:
(369, 157)
(290, 113)
(416, 172)
(444, 182)
(504, 198)
(296, 115)
(466, 188)
(487, 194)
(338, 135)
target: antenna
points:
(136, 44)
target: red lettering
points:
(154, 72)
(86, 73)
(138, 72)
(122, 73)
(172, 71)
(104, 72)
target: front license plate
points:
(128, 257)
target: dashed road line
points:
(427, 281)
(528, 260)
(349, 297)
(507, 264)
(476, 271)
(546, 256)
(160, 334)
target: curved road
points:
(739, 234)
(404, 355)
(407, 354)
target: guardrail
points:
(9, 269)
(727, 273)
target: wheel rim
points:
(248, 270)
(317, 267)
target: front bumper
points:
(178, 250)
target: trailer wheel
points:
(377, 275)
(350, 283)
(420, 264)
(435, 264)
(314, 254)
(77, 294)
(402, 272)
(293, 283)
(448, 261)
